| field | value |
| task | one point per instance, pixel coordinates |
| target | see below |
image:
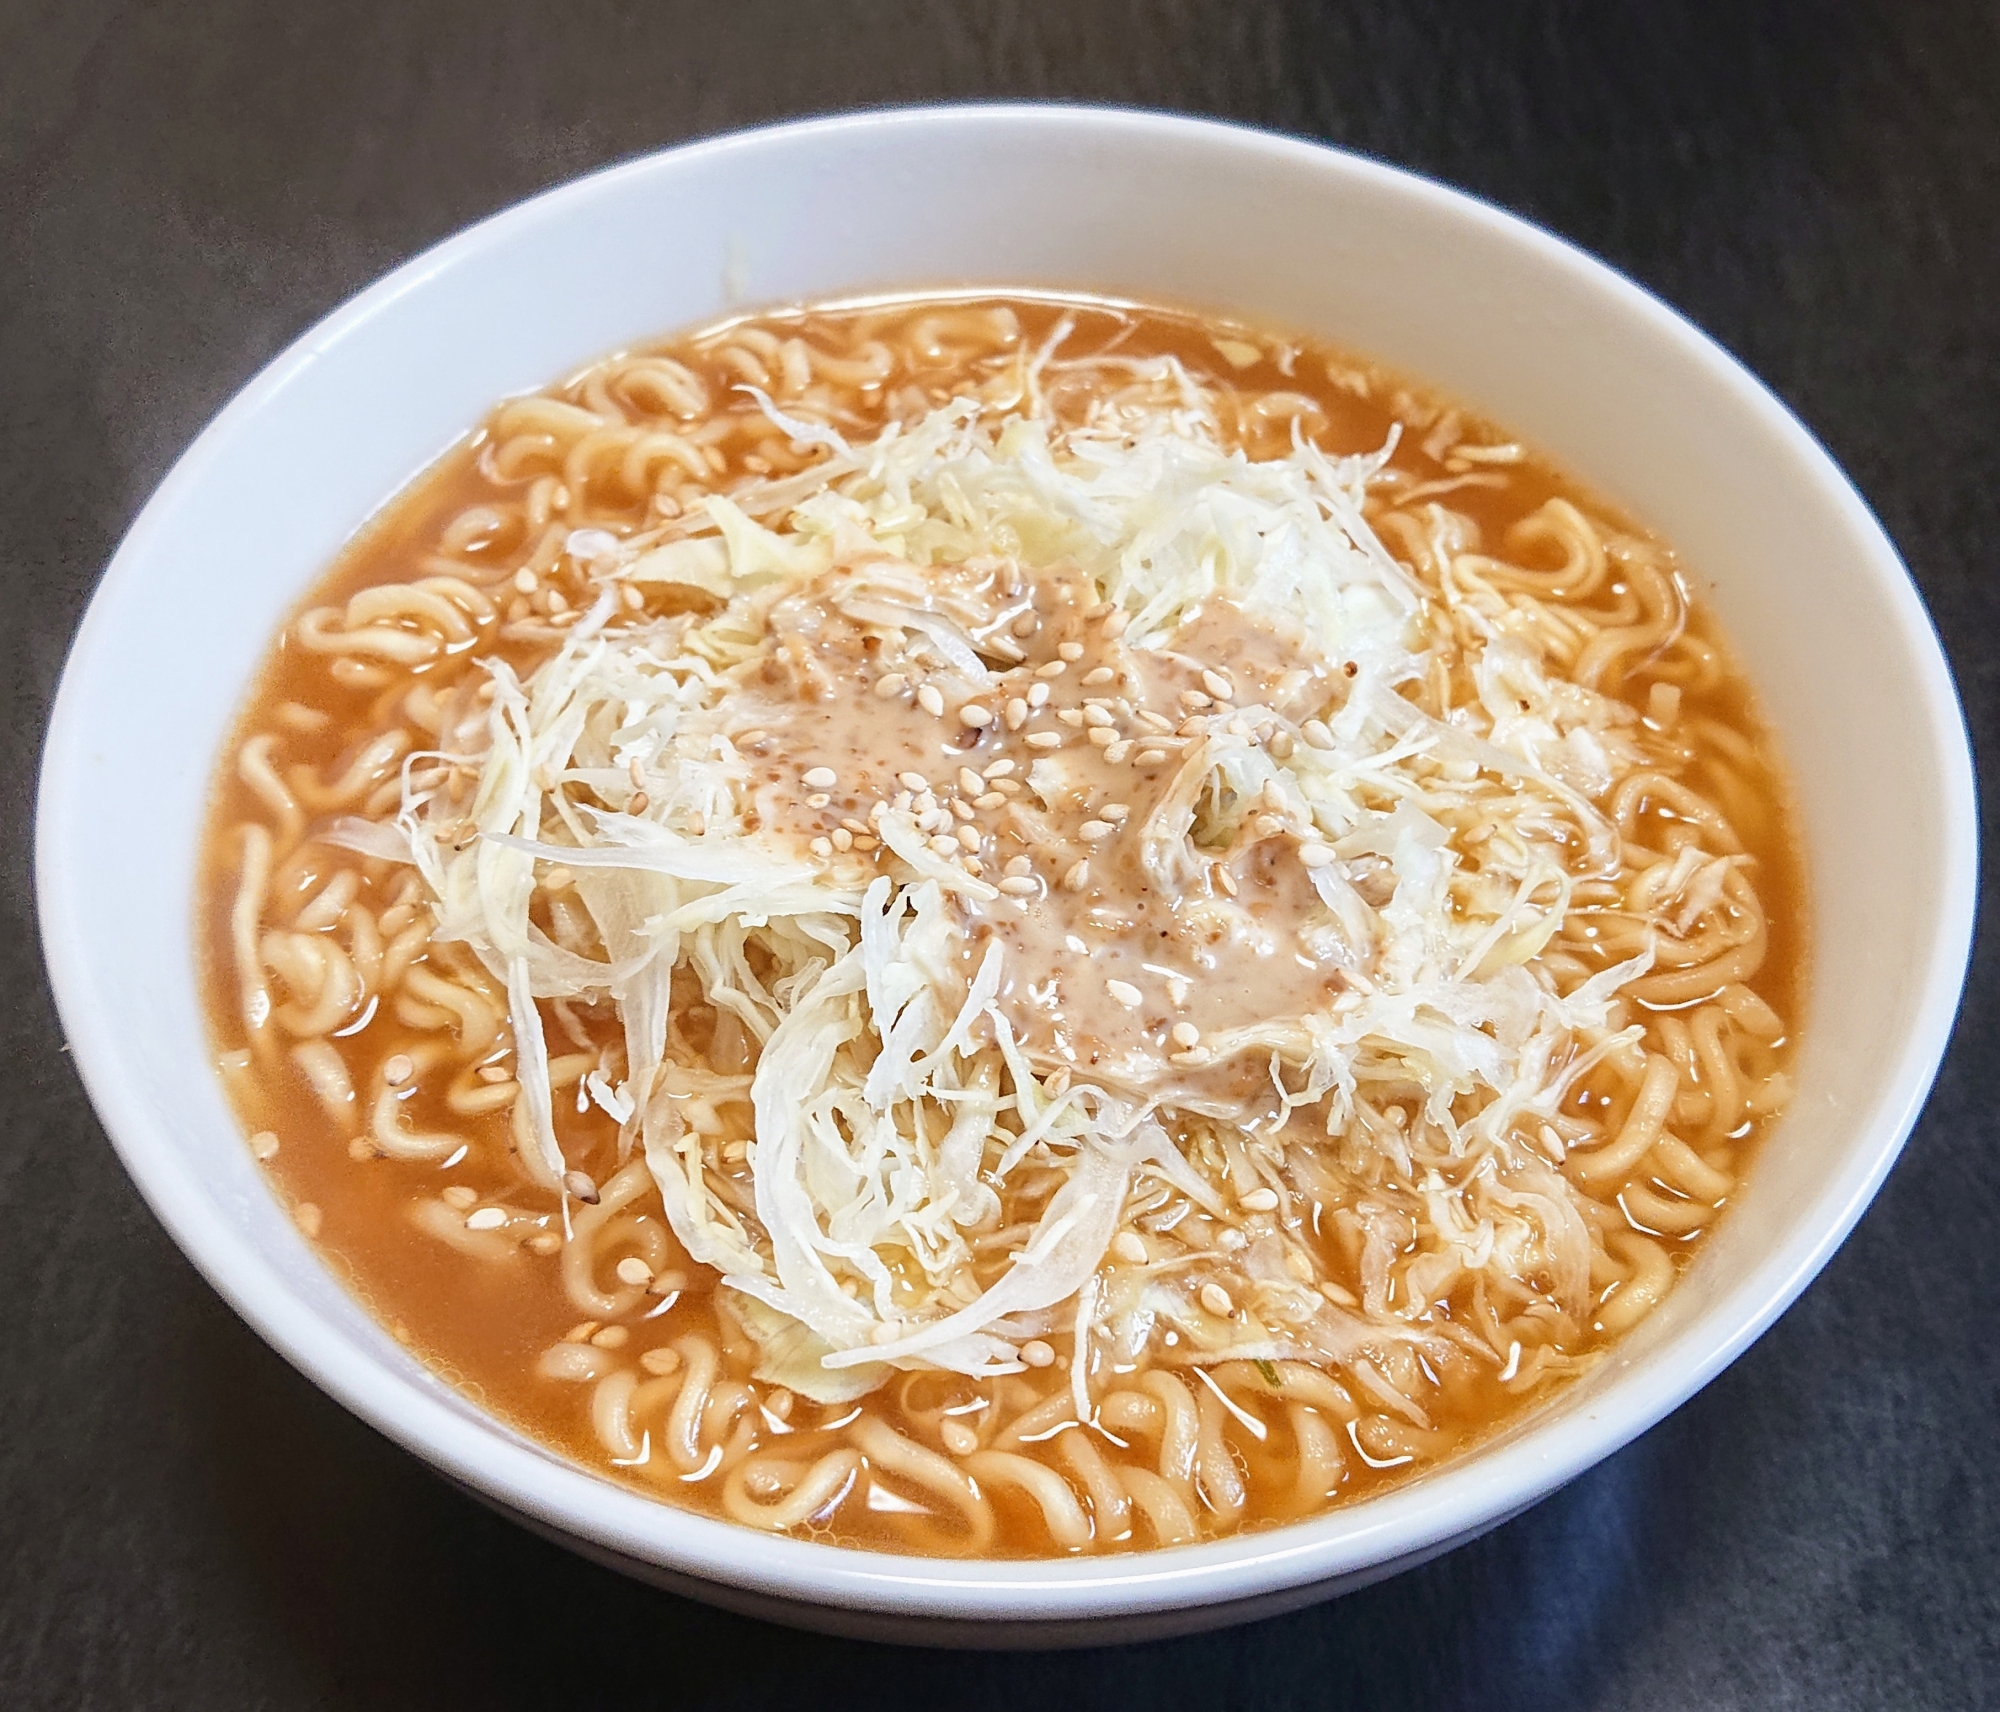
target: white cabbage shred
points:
(893, 1109)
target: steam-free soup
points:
(1002, 925)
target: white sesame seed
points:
(1018, 866)
(1193, 727)
(1008, 787)
(821, 847)
(461, 1197)
(1125, 993)
(486, 1218)
(1193, 699)
(264, 1145)
(637, 803)
(1001, 769)
(578, 1184)
(1044, 740)
(1038, 695)
(1052, 668)
(1097, 714)
(1185, 1034)
(1314, 855)
(633, 1270)
(526, 581)
(970, 782)
(1020, 886)
(661, 1361)
(611, 1337)
(866, 841)
(1025, 626)
(891, 684)
(632, 598)
(1225, 879)
(944, 845)
(398, 1070)
(820, 779)
(975, 715)
(991, 800)
(1130, 1247)
(558, 879)
(1216, 1300)
(961, 808)
(1077, 876)
(842, 838)
(1015, 713)
(1114, 626)
(1314, 731)
(1102, 736)
(1218, 686)
(1116, 751)
(1070, 651)
(1098, 675)
(818, 799)
(1092, 830)
(969, 837)
(1260, 1201)
(913, 782)
(1282, 745)
(1037, 1354)
(1115, 811)
(958, 1438)
(1149, 757)
(931, 699)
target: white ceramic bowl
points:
(1569, 354)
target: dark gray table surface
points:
(184, 1522)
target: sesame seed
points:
(1130, 1247)
(1002, 769)
(1038, 695)
(1078, 876)
(970, 782)
(1116, 811)
(558, 879)
(1218, 686)
(545, 1242)
(1149, 757)
(637, 803)
(1097, 714)
(1098, 675)
(891, 684)
(865, 841)
(1125, 993)
(943, 845)
(821, 779)
(1260, 1201)
(887, 1332)
(1044, 740)
(975, 715)
(661, 1361)
(399, 1070)
(931, 699)
(1101, 610)
(1185, 1034)
(857, 827)
(1153, 721)
(751, 738)
(1216, 1300)
(635, 771)
(819, 799)
(1025, 626)
(1008, 787)
(821, 846)
(1102, 736)
(577, 1183)
(1282, 745)
(913, 782)
(1225, 879)
(460, 1197)
(1314, 855)
(1194, 727)
(633, 1270)
(632, 598)
(526, 581)
(1314, 731)
(1069, 651)
(1018, 866)
(264, 1145)
(1038, 1354)
(1193, 699)
(1015, 714)
(1020, 886)
(969, 837)
(1092, 830)
(961, 808)
(1116, 750)
(612, 1337)
(493, 1073)
(990, 800)
(1114, 626)
(958, 1438)
(1052, 668)
(973, 866)
(486, 1218)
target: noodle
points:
(710, 1113)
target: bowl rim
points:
(1406, 1523)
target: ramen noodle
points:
(1002, 925)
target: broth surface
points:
(328, 731)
